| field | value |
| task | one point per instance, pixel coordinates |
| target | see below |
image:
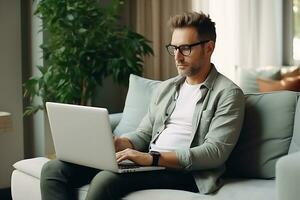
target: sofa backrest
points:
(266, 134)
(265, 137)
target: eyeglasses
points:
(184, 49)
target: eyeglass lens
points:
(184, 50)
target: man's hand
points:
(137, 157)
(125, 151)
(122, 143)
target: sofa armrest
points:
(115, 119)
(32, 166)
(288, 177)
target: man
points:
(192, 125)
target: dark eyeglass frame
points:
(182, 48)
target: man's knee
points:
(105, 179)
(53, 168)
(106, 185)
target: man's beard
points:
(191, 71)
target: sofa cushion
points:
(295, 144)
(136, 104)
(233, 189)
(265, 136)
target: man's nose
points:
(178, 56)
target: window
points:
(296, 39)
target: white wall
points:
(11, 144)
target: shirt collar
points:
(208, 83)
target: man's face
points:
(192, 64)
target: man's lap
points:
(77, 176)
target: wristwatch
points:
(155, 155)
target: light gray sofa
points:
(268, 147)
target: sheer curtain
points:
(223, 13)
(260, 33)
(249, 33)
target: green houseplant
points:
(85, 44)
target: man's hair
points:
(203, 24)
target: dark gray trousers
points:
(58, 180)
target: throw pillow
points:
(136, 103)
(265, 136)
(247, 77)
(288, 83)
(268, 85)
(290, 71)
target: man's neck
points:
(200, 77)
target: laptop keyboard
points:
(128, 166)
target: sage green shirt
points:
(216, 125)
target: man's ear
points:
(210, 46)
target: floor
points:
(5, 194)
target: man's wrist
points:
(155, 157)
(150, 160)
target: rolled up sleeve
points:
(184, 158)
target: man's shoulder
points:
(224, 83)
(225, 89)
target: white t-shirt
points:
(178, 131)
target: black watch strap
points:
(155, 155)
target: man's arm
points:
(122, 143)
(167, 159)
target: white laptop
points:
(82, 135)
